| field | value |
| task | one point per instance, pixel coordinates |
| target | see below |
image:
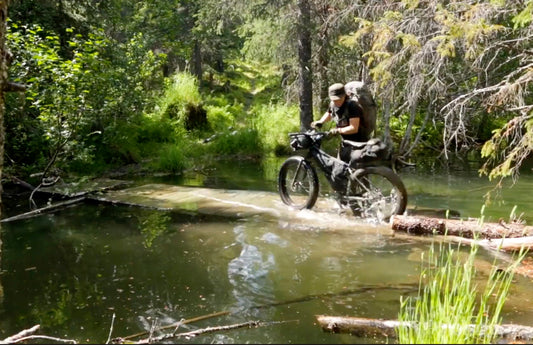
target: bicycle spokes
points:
(373, 196)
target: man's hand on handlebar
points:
(333, 132)
(316, 124)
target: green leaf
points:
(525, 17)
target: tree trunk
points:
(304, 57)
(323, 57)
(364, 327)
(197, 61)
(407, 134)
(385, 123)
(3, 86)
(456, 227)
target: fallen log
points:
(457, 227)
(505, 244)
(360, 327)
(364, 327)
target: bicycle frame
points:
(366, 186)
(351, 173)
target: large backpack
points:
(359, 92)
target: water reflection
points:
(249, 273)
(152, 225)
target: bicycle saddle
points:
(355, 144)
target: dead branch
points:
(11, 86)
(111, 329)
(45, 337)
(21, 334)
(408, 287)
(22, 183)
(27, 334)
(360, 290)
(42, 210)
(174, 325)
(192, 334)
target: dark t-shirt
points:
(342, 115)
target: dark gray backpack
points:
(359, 92)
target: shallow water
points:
(72, 270)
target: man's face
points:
(338, 102)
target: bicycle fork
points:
(295, 185)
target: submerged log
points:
(456, 227)
(364, 327)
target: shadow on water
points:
(71, 270)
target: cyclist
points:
(348, 116)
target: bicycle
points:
(371, 189)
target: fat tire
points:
(307, 188)
(394, 180)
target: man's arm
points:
(352, 128)
(326, 117)
(355, 113)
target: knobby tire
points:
(298, 183)
(382, 195)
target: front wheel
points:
(377, 193)
(298, 183)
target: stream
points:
(81, 269)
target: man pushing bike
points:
(348, 116)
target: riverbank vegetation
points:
(159, 84)
(453, 305)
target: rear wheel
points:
(298, 183)
(377, 193)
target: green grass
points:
(450, 307)
(273, 122)
(172, 158)
(245, 114)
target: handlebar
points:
(311, 132)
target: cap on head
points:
(336, 91)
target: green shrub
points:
(274, 122)
(220, 118)
(171, 158)
(181, 88)
(77, 100)
(182, 103)
(236, 142)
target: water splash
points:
(249, 273)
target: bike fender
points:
(357, 172)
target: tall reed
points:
(449, 308)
